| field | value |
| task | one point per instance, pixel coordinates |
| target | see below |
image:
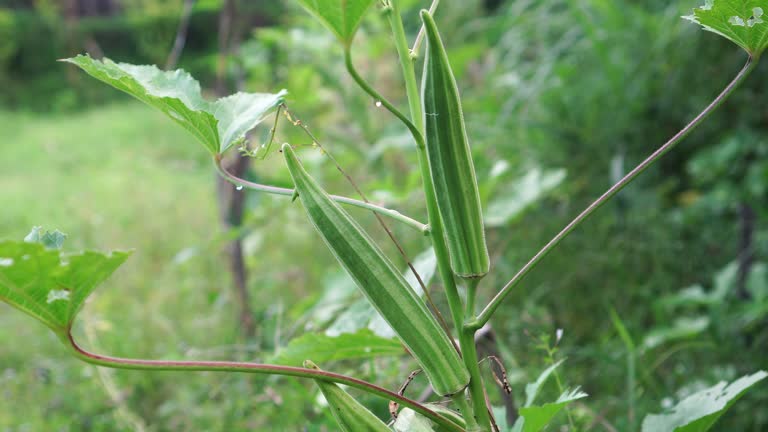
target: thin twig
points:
(420, 36)
(242, 183)
(257, 368)
(669, 145)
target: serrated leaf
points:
(536, 418)
(342, 17)
(217, 125)
(322, 348)
(49, 285)
(699, 411)
(532, 389)
(50, 239)
(741, 21)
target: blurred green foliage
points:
(576, 91)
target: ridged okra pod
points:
(350, 414)
(381, 283)
(450, 161)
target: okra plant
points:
(39, 279)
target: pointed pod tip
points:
(425, 15)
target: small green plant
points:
(38, 278)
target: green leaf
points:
(699, 411)
(322, 348)
(741, 21)
(532, 389)
(49, 285)
(682, 328)
(520, 195)
(342, 17)
(411, 421)
(51, 240)
(536, 418)
(218, 125)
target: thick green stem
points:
(394, 214)
(460, 399)
(486, 314)
(466, 338)
(266, 369)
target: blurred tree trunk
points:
(181, 35)
(232, 202)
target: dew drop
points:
(377, 103)
(6, 262)
(239, 187)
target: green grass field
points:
(122, 177)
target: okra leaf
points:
(217, 125)
(740, 21)
(50, 285)
(535, 418)
(699, 411)
(342, 17)
(322, 348)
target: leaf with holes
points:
(49, 285)
(742, 21)
(699, 411)
(218, 125)
(342, 17)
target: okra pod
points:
(350, 414)
(381, 282)
(450, 161)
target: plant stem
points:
(394, 214)
(267, 369)
(460, 400)
(486, 314)
(414, 54)
(466, 338)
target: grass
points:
(123, 177)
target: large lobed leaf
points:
(342, 17)
(49, 285)
(218, 125)
(699, 411)
(741, 21)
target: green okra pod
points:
(450, 161)
(380, 281)
(350, 414)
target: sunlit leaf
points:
(49, 239)
(218, 125)
(410, 421)
(521, 194)
(535, 418)
(699, 411)
(742, 21)
(49, 285)
(342, 17)
(682, 328)
(363, 344)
